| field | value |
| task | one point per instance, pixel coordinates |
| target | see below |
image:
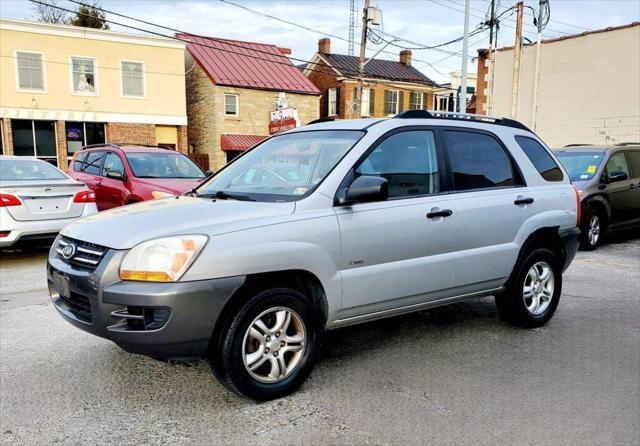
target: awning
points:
(239, 142)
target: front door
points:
(620, 193)
(112, 191)
(398, 252)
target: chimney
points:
(405, 57)
(324, 46)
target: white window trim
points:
(95, 76)
(333, 112)
(420, 95)
(44, 73)
(144, 80)
(395, 112)
(364, 110)
(237, 113)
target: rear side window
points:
(408, 161)
(634, 160)
(477, 161)
(93, 163)
(78, 162)
(542, 161)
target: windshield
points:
(162, 165)
(581, 166)
(23, 170)
(283, 168)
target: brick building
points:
(238, 93)
(390, 87)
(63, 87)
(588, 88)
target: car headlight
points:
(163, 259)
(161, 194)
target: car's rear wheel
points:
(533, 292)
(268, 346)
(593, 230)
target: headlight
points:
(163, 259)
(161, 194)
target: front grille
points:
(78, 305)
(85, 255)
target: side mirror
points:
(366, 189)
(115, 175)
(616, 176)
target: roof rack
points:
(93, 146)
(119, 145)
(578, 144)
(425, 114)
(625, 144)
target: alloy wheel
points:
(274, 344)
(538, 288)
(594, 230)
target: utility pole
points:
(492, 55)
(536, 70)
(462, 101)
(516, 61)
(363, 50)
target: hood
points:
(175, 186)
(126, 226)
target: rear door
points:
(112, 191)
(393, 255)
(492, 206)
(633, 156)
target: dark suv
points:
(608, 180)
(125, 174)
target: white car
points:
(38, 199)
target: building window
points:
(132, 79)
(415, 101)
(83, 75)
(231, 104)
(80, 134)
(34, 138)
(391, 102)
(333, 102)
(30, 67)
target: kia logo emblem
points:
(68, 251)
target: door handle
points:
(523, 200)
(441, 213)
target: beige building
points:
(239, 93)
(588, 88)
(63, 87)
(446, 96)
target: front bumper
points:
(101, 304)
(571, 240)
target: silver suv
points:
(320, 227)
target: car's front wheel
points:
(268, 347)
(533, 292)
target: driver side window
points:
(408, 161)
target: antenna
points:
(352, 25)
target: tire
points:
(593, 229)
(520, 310)
(238, 345)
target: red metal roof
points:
(239, 142)
(247, 64)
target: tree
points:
(50, 13)
(90, 16)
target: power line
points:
(558, 21)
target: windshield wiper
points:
(225, 196)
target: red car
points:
(125, 174)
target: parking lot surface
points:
(452, 375)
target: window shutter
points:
(338, 100)
(326, 103)
(372, 97)
(401, 101)
(424, 101)
(387, 105)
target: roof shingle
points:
(377, 68)
(247, 64)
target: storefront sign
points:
(281, 120)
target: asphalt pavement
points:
(454, 375)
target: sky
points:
(424, 22)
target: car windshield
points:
(581, 166)
(162, 165)
(283, 168)
(24, 170)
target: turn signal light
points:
(86, 196)
(579, 206)
(151, 276)
(7, 200)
